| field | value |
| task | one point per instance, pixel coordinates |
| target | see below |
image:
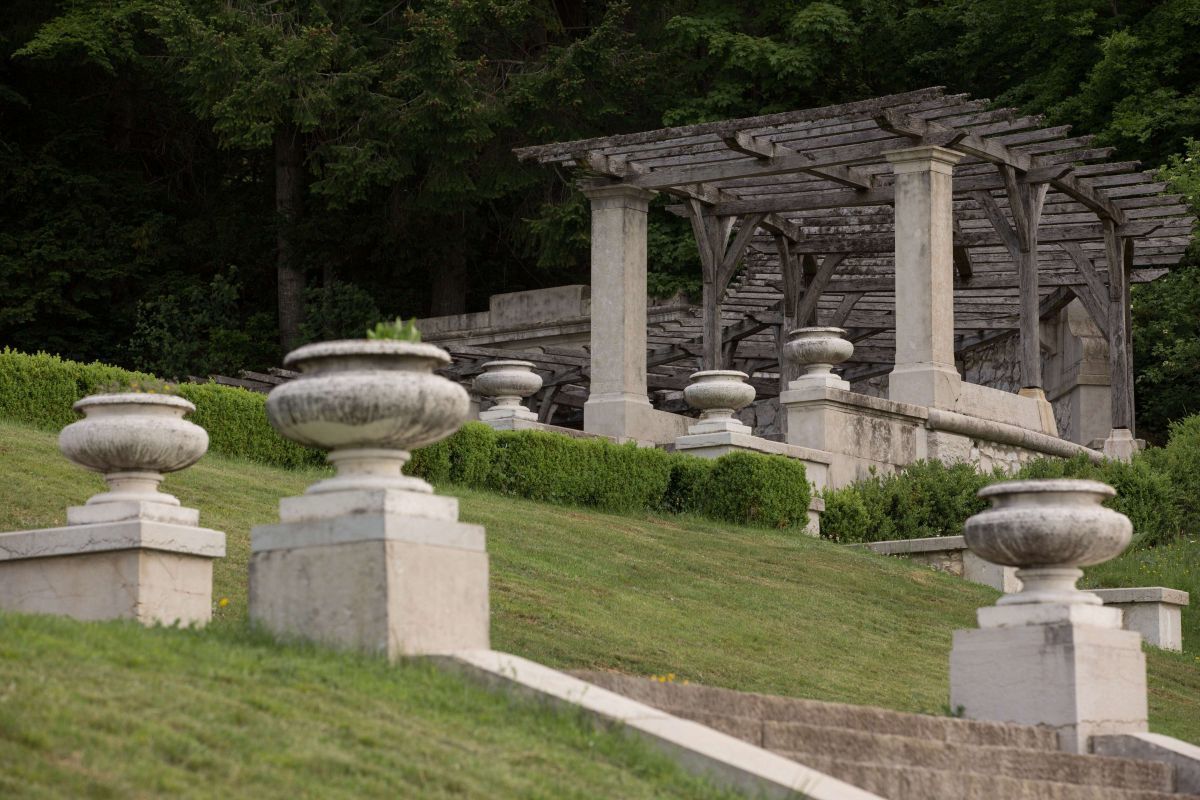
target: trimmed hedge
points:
(743, 487)
(930, 499)
(746, 488)
(40, 389)
(753, 489)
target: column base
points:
(374, 579)
(829, 380)
(629, 417)
(504, 414)
(1081, 680)
(1121, 446)
(144, 570)
(928, 384)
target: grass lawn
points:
(115, 711)
(712, 603)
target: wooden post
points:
(719, 259)
(1119, 252)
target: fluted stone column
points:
(924, 373)
(618, 398)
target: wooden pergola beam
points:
(932, 133)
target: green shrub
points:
(926, 498)
(472, 455)
(431, 463)
(40, 389)
(752, 489)
(685, 487)
(1144, 493)
(1180, 460)
(588, 472)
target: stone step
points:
(1038, 765)
(920, 783)
(694, 701)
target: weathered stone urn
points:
(369, 403)
(507, 382)
(1050, 654)
(1048, 529)
(133, 438)
(814, 352)
(718, 394)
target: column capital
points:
(927, 158)
(599, 190)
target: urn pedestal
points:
(814, 352)
(370, 559)
(1050, 654)
(132, 552)
(508, 383)
(718, 394)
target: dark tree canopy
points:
(190, 185)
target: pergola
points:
(807, 202)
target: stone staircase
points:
(906, 756)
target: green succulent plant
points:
(396, 330)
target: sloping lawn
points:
(115, 711)
(712, 603)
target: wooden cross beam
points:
(766, 150)
(1093, 294)
(622, 170)
(719, 260)
(935, 134)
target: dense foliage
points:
(40, 390)
(746, 488)
(766, 491)
(189, 186)
(1158, 491)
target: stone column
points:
(618, 398)
(924, 373)
(1077, 377)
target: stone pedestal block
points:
(1079, 679)
(382, 571)
(1153, 611)
(139, 569)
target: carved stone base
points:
(145, 570)
(393, 573)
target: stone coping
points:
(109, 536)
(701, 750)
(939, 419)
(1143, 594)
(377, 527)
(748, 441)
(932, 544)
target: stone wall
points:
(997, 365)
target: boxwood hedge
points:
(768, 491)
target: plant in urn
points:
(369, 402)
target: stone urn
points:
(133, 438)
(1048, 529)
(369, 402)
(814, 352)
(507, 382)
(719, 394)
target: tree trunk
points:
(289, 207)
(450, 284)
